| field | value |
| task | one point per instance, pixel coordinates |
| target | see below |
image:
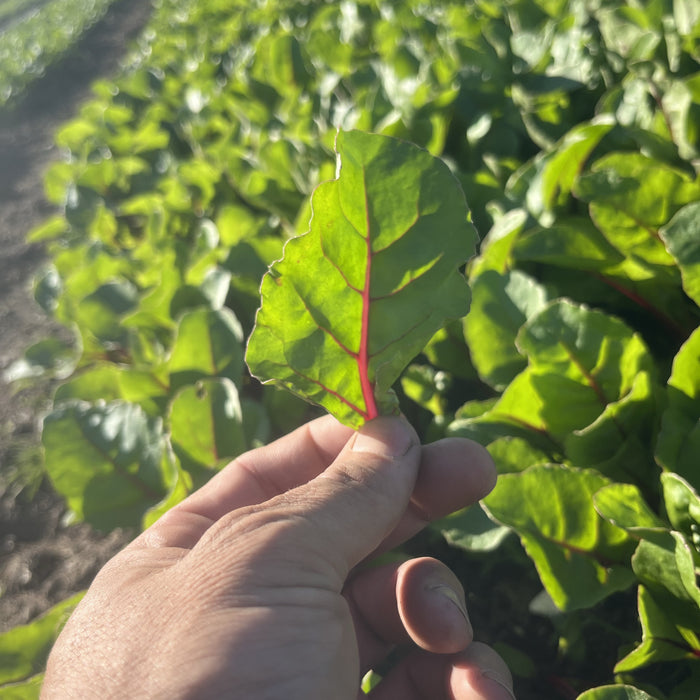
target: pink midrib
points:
(363, 354)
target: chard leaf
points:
(624, 506)
(580, 557)
(661, 639)
(501, 303)
(615, 692)
(471, 529)
(580, 362)
(109, 461)
(586, 347)
(682, 239)
(513, 454)
(613, 444)
(666, 567)
(108, 381)
(208, 344)
(207, 424)
(563, 165)
(496, 250)
(572, 242)
(359, 295)
(448, 351)
(682, 505)
(678, 444)
(426, 386)
(631, 196)
(24, 649)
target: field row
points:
(41, 34)
(571, 127)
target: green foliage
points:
(29, 44)
(579, 556)
(615, 692)
(360, 295)
(24, 649)
(572, 127)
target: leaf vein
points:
(337, 267)
(322, 328)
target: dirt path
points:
(42, 562)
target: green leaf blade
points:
(580, 557)
(679, 438)
(615, 692)
(24, 649)
(359, 295)
(108, 460)
(661, 639)
(683, 242)
(206, 423)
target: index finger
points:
(453, 473)
(256, 476)
(252, 478)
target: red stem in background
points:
(657, 313)
(363, 355)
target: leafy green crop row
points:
(30, 45)
(9, 8)
(572, 126)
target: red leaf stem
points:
(637, 299)
(363, 355)
(337, 395)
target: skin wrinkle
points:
(324, 456)
(271, 534)
(364, 491)
(420, 513)
(267, 487)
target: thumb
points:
(358, 500)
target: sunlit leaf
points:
(615, 692)
(580, 362)
(24, 649)
(108, 381)
(360, 295)
(580, 557)
(471, 529)
(571, 242)
(426, 386)
(500, 306)
(661, 639)
(513, 454)
(631, 197)
(678, 444)
(615, 443)
(666, 567)
(682, 239)
(625, 507)
(448, 351)
(206, 423)
(107, 460)
(682, 504)
(208, 344)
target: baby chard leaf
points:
(361, 293)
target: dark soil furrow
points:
(41, 561)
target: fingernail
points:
(503, 684)
(485, 673)
(455, 599)
(385, 437)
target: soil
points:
(42, 561)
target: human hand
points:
(250, 588)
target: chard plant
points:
(571, 127)
(356, 298)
